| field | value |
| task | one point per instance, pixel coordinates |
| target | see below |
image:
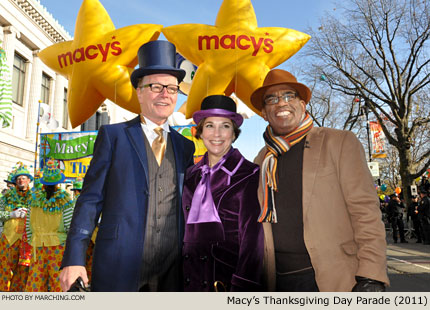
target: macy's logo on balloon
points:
(90, 52)
(242, 42)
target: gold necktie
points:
(159, 145)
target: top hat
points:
(279, 77)
(156, 57)
(52, 175)
(218, 105)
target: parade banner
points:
(79, 147)
(73, 151)
(378, 142)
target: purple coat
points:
(230, 252)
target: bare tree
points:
(378, 51)
(328, 107)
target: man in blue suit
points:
(134, 183)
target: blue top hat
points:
(156, 57)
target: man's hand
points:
(368, 285)
(23, 212)
(18, 213)
(69, 275)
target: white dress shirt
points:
(148, 130)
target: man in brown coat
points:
(320, 210)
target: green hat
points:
(77, 184)
(37, 177)
(52, 175)
(38, 174)
(10, 177)
(21, 169)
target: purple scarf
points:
(203, 209)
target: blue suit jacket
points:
(116, 184)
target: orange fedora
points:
(279, 77)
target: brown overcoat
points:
(343, 230)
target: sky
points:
(298, 15)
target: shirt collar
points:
(150, 125)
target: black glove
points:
(368, 285)
(79, 286)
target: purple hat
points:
(220, 106)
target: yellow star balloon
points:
(99, 61)
(234, 55)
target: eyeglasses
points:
(158, 88)
(272, 99)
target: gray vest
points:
(160, 250)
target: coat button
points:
(187, 281)
(204, 283)
(186, 256)
(187, 208)
(203, 258)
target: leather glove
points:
(368, 285)
(79, 286)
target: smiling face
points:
(217, 136)
(22, 182)
(283, 117)
(157, 106)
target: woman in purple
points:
(223, 242)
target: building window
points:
(46, 85)
(65, 111)
(18, 78)
(96, 121)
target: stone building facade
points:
(26, 28)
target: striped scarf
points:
(276, 146)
